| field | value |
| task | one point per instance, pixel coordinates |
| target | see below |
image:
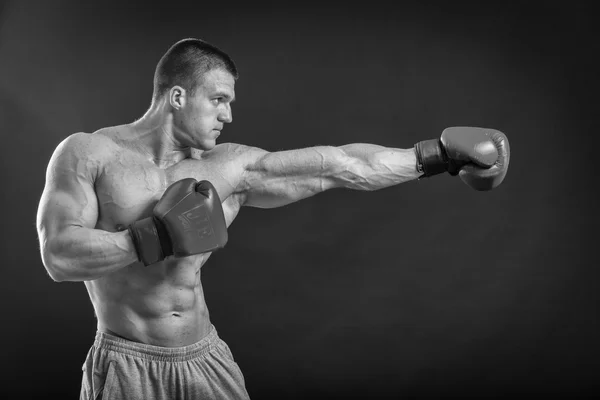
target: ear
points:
(177, 97)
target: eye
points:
(216, 100)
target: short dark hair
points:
(185, 64)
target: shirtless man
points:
(154, 337)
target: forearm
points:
(281, 178)
(83, 254)
(373, 167)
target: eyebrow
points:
(226, 95)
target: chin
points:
(206, 145)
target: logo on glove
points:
(196, 220)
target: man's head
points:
(185, 63)
(197, 81)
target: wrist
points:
(418, 161)
(431, 157)
(146, 241)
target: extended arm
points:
(279, 178)
(71, 249)
(479, 155)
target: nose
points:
(226, 115)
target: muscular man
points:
(104, 219)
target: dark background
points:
(424, 289)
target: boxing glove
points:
(188, 219)
(479, 156)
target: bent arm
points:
(279, 178)
(71, 249)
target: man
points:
(135, 210)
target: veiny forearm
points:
(281, 178)
(82, 254)
(373, 167)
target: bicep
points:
(279, 178)
(68, 198)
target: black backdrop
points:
(423, 289)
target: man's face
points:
(206, 112)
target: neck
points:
(152, 135)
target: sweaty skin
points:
(162, 304)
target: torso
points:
(162, 304)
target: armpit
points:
(231, 207)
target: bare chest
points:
(128, 188)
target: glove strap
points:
(147, 241)
(431, 157)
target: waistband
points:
(157, 353)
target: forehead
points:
(218, 80)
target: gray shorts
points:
(116, 368)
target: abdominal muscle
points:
(161, 304)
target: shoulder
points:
(229, 162)
(84, 144)
(80, 152)
(75, 143)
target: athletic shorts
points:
(116, 368)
